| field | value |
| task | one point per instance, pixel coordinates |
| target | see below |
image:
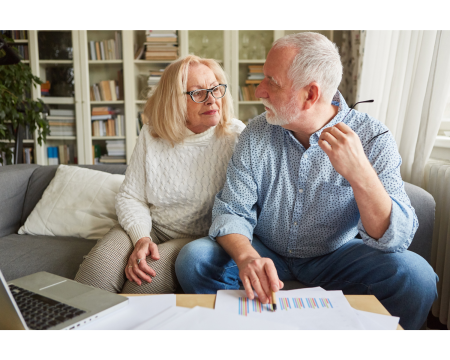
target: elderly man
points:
(306, 178)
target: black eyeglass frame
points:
(207, 91)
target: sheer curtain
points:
(407, 73)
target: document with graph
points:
(307, 309)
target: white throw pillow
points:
(78, 202)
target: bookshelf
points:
(54, 58)
(235, 50)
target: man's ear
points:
(312, 95)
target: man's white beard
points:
(283, 116)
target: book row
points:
(15, 34)
(27, 156)
(247, 93)
(106, 49)
(23, 51)
(110, 127)
(61, 154)
(107, 90)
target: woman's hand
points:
(138, 272)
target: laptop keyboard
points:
(40, 312)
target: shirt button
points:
(305, 156)
(290, 251)
(295, 223)
(300, 190)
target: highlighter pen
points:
(273, 301)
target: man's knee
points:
(414, 275)
(192, 256)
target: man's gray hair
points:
(317, 60)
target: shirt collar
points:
(338, 100)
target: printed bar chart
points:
(304, 303)
(247, 306)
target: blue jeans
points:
(403, 282)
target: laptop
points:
(45, 301)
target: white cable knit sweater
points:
(174, 187)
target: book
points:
(62, 112)
(97, 95)
(113, 160)
(60, 123)
(52, 155)
(112, 88)
(102, 50)
(105, 91)
(257, 82)
(161, 39)
(27, 155)
(92, 50)
(161, 53)
(96, 154)
(101, 108)
(97, 51)
(139, 52)
(120, 125)
(154, 57)
(101, 117)
(61, 118)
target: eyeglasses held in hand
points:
(365, 101)
(201, 95)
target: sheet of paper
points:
(372, 321)
(200, 318)
(304, 309)
(138, 310)
(161, 318)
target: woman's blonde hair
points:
(166, 109)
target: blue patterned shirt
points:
(295, 202)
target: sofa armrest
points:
(13, 187)
(424, 205)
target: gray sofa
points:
(21, 187)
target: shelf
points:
(255, 61)
(61, 138)
(21, 41)
(147, 62)
(107, 137)
(56, 62)
(143, 102)
(58, 100)
(25, 61)
(106, 102)
(250, 102)
(99, 62)
(26, 141)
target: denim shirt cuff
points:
(399, 234)
(230, 224)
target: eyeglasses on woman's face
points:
(201, 95)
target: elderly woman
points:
(176, 169)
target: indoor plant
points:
(16, 105)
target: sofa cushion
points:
(13, 187)
(42, 176)
(23, 255)
(77, 202)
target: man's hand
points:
(137, 272)
(259, 274)
(345, 151)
